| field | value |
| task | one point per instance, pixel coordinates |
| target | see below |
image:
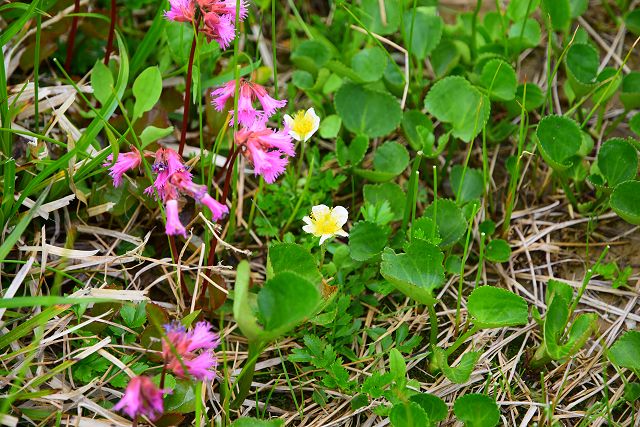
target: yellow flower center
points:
(302, 124)
(324, 224)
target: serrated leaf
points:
(364, 111)
(461, 373)
(493, 307)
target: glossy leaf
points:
(624, 352)
(559, 139)
(499, 78)
(493, 307)
(498, 250)
(370, 63)
(449, 219)
(427, 31)
(366, 240)
(625, 201)
(618, 161)
(477, 410)
(293, 258)
(365, 111)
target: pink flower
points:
(166, 164)
(248, 94)
(174, 226)
(180, 347)
(181, 10)
(220, 28)
(266, 149)
(142, 397)
(218, 210)
(125, 162)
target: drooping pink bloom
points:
(125, 162)
(218, 210)
(182, 180)
(266, 149)
(167, 163)
(220, 28)
(248, 94)
(142, 397)
(173, 226)
(224, 7)
(179, 350)
(181, 10)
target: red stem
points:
(112, 30)
(72, 37)
(187, 90)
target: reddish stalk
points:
(72, 37)
(218, 296)
(112, 30)
(187, 90)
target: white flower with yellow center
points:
(303, 124)
(326, 222)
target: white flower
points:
(326, 222)
(302, 125)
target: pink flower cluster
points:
(218, 17)
(143, 398)
(172, 180)
(268, 150)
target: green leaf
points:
(582, 62)
(367, 240)
(151, 134)
(243, 304)
(499, 78)
(450, 221)
(496, 308)
(559, 139)
(376, 194)
(630, 94)
(432, 405)
(302, 79)
(311, 55)
(455, 101)
(408, 414)
(632, 21)
(477, 410)
(182, 398)
(134, 315)
(389, 161)
(498, 250)
(472, 185)
(330, 126)
(625, 201)
(365, 111)
(578, 7)
(416, 127)
(520, 9)
(370, 63)
(445, 57)
(354, 153)
(102, 82)
(427, 31)
(397, 365)
(146, 89)
(255, 422)
(559, 11)
(624, 352)
(293, 258)
(634, 124)
(371, 16)
(461, 373)
(417, 272)
(631, 392)
(524, 34)
(284, 302)
(618, 161)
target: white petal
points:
(325, 237)
(295, 135)
(288, 120)
(309, 229)
(340, 215)
(320, 210)
(342, 233)
(307, 220)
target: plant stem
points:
(187, 89)
(243, 382)
(72, 37)
(112, 29)
(465, 255)
(480, 260)
(461, 340)
(300, 199)
(585, 282)
(411, 190)
(433, 320)
(473, 28)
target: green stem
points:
(480, 260)
(413, 184)
(243, 382)
(433, 320)
(585, 281)
(474, 24)
(462, 339)
(300, 199)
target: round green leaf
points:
(459, 374)
(496, 308)
(364, 111)
(370, 63)
(416, 126)
(617, 161)
(330, 126)
(255, 422)
(559, 139)
(559, 11)
(578, 7)
(417, 272)
(582, 62)
(409, 414)
(367, 240)
(302, 79)
(427, 31)
(293, 258)
(445, 58)
(389, 161)
(146, 89)
(499, 78)
(520, 9)
(372, 18)
(311, 55)
(450, 221)
(630, 94)
(472, 185)
(634, 124)
(498, 250)
(432, 405)
(390, 192)
(624, 352)
(608, 84)
(524, 34)
(455, 101)
(632, 21)
(625, 201)
(477, 410)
